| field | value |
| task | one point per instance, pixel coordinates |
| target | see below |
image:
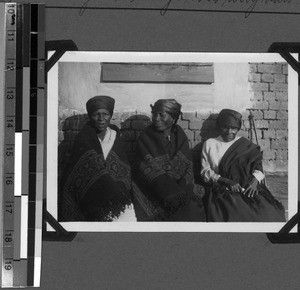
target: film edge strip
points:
(22, 195)
(9, 146)
(2, 65)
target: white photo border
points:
(168, 57)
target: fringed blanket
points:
(238, 164)
(91, 188)
(166, 177)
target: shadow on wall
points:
(68, 129)
(130, 129)
(208, 130)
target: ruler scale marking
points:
(23, 149)
(2, 124)
(9, 155)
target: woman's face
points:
(100, 119)
(228, 133)
(162, 120)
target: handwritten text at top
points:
(247, 6)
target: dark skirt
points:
(223, 205)
(149, 209)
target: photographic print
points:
(165, 141)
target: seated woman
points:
(96, 183)
(232, 167)
(165, 166)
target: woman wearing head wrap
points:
(232, 166)
(165, 167)
(96, 183)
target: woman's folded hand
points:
(251, 188)
(232, 185)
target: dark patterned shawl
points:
(240, 161)
(168, 179)
(238, 164)
(91, 188)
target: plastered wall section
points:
(259, 90)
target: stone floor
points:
(278, 185)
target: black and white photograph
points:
(164, 141)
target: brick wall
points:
(268, 90)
